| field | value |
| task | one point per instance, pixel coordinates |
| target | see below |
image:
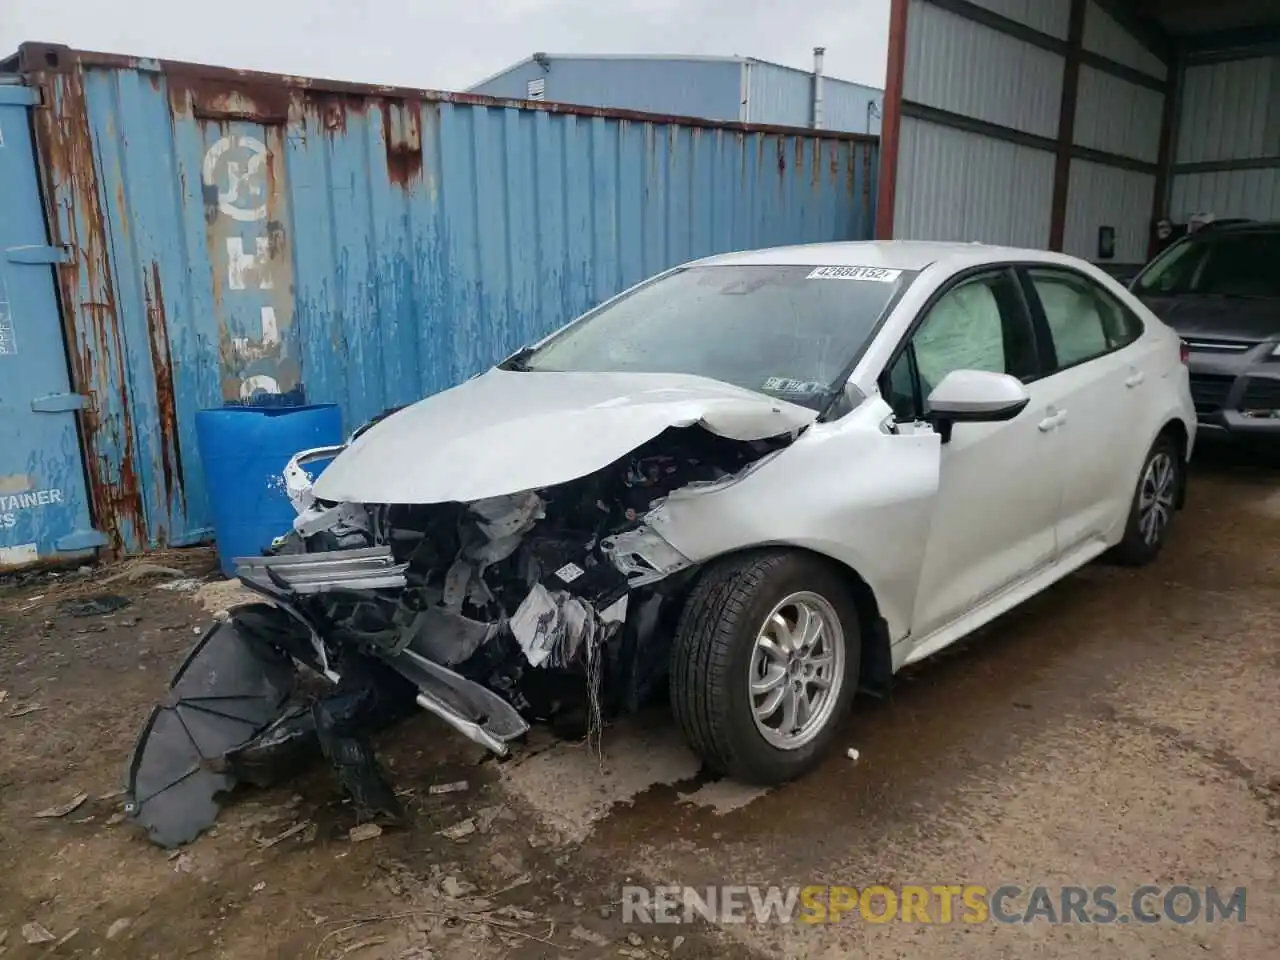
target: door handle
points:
(1135, 378)
(1053, 420)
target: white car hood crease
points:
(508, 431)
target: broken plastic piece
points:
(643, 556)
(372, 568)
(340, 727)
(224, 694)
(447, 637)
(551, 627)
(279, 752)
(474, 711)
(94, 606)
(541, 624)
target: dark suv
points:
(1219, 288)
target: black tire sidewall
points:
(1134, 548)
(765, 761)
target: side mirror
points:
(975, 396)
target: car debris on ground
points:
(35, 933)
(364, 831)
(62, 809)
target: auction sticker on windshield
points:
(876, 274)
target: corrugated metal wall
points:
(778, 94)
(1117, 116)
(1124, 118)
(983, 150)
(962, 186)
(958, 184)
(1105, 195)
(237, 233)
(694, 87)
(1227, 193)
(969, 69)
(1047, 16)
(1228, 151)
(1103, 35)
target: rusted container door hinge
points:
(59, 403)
(40, 255)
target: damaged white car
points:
(754, 484)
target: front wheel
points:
(1154, 503)
(765, 664)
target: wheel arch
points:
(1176, 429)
(875, 658)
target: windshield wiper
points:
(516, 362)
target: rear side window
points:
(1084, 320)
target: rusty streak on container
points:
(402, 137)
(332, 108)
(166, 400)
(66, 148)
(215, 99)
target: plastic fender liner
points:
(228, 690)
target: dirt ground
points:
(1120, 729)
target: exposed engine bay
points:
(554, 605)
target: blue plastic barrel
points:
(244, 450)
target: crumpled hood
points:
(507, 431)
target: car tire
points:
(719, 651)
(1159, 485)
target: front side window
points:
(1084, 321)
(789, 331)
(980, 324)
(1236, 264)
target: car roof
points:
(1239, 226)
(886, 254)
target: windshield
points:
(788, 331)
(1216, 264)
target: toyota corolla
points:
(753, 484)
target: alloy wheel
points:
(797, 670)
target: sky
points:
(450, 45)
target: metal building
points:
(741, 89)
(1078, 124)
(175, 236)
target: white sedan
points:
(756, 483)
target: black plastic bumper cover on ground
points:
(228, 690)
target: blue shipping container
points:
(237, 233)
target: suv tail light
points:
(1185, 351)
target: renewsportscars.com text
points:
(934, 904)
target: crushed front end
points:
(552, 605)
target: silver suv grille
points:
(1219, 346)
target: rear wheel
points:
(1154, 504)
(765, 664)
